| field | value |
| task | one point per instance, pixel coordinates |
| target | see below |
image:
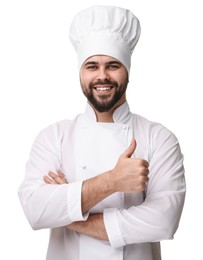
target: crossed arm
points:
(129, 175)
(94, 225)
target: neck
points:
(107, 117)
(104, 117)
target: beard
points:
(105, 104)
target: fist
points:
(130, 174)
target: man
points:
(109, 184)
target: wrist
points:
(109, 181)
(96, 189)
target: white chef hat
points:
(105, 30)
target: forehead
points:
(100, 59)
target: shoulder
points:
(157, 139)
(153, 130)
(56, 131)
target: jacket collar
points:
(121, 115)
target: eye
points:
(113, 65)
(91, 67)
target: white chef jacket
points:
(83, 148)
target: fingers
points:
(130, 150)
(49, 180)
(141, 162)
(60, 174)
(53, 178)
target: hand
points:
(93, 227)
(53, 178)
(129, 174)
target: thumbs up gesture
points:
(130, 174)
(130, 150)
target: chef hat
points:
(105, 30)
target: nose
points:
(103, 74)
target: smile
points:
(103, 88)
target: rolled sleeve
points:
(113, 228)
(74, 202)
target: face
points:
(104, 81)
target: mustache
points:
(103, 82)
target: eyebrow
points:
(106, 63)
(90, 63)
(113, 62)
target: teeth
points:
(103, 89)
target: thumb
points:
(130, 150)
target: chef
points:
(109, 184)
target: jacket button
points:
(83, 167)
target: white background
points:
(39, 85)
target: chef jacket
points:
(82, 148)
